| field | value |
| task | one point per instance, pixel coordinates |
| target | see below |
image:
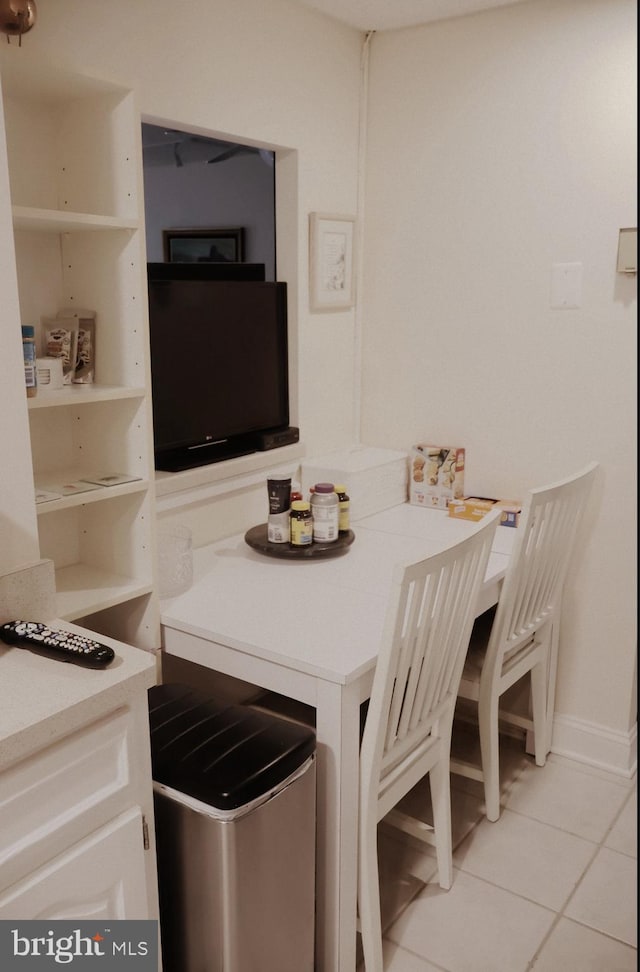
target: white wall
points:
(18, 530)
(499, 145)
(275, 75)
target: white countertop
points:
(239, 596)
(416, 521)
(42, 699)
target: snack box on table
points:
(436, 475)
(475, 507)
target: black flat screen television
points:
(219, 368)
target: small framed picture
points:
(202, 245)
(331, 261)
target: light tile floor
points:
(549, 887)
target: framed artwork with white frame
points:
(331, 261)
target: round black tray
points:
(256, 537)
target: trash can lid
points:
(224, 755)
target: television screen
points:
(219, 367)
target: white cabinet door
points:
(100, 877)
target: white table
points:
(310, 630)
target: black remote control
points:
(63, 645)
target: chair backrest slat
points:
(423, 647)
(534, 583)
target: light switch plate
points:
(628, 250)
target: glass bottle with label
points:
(301, 524)
(29, 354)
(343, 507)
(325, 509)
(279, 490)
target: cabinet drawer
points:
(99, 878)
(61, 793)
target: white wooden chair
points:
(524, 635)
(407, 732)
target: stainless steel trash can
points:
(234, 795)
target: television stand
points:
(190, 457)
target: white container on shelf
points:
(375, 479)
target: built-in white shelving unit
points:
(73, 147)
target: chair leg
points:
(440, 782)
(490, 754)
(554, 636)
(369, 896)
(539, 708)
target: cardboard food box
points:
(475, 507)
(436, 475)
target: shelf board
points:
(228, 475)
(57, 221)
(48, 84)
(82, 590)
(83, 395)
(91, 496)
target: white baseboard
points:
(587, 742)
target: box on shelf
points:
(60, 340)
(376, 479)
(436, 475)
(475, 507)
(86, 348)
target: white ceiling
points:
(390, 14)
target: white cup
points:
(49, 374)
(175, 560)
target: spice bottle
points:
(325, 509)
(301, 524)
(29, 355)
(343, 508)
